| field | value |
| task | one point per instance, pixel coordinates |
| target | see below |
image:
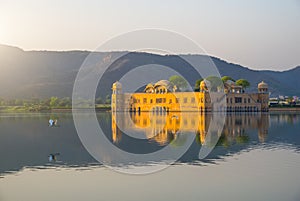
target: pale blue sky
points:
(258, 34)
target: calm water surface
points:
(257, 157)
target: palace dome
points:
(262, 85)
(230, 83)
(149, 88)
(150, 85)
(165, 83)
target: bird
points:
(51, 122)
(53, 157)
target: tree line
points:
(48, 103)
(215, 82)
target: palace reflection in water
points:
(164, 127)
(27, 141)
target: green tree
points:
(215, 82)
(53, 101)
(290, 100)
(64, 102)
(178, 81)
(46, 102)
(26, 103)
(226, 78)
(197, 84)
(242, 82)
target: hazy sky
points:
(255, 33)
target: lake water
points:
(256, 157)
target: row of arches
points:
(160, 110)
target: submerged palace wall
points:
(162, 96)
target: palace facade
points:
(164, 97)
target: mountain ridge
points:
(52, 73)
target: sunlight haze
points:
(256, 34)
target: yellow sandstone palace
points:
(163, 97)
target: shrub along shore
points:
(50, 104)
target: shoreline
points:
(104, 109)
(108, 109)
(283, 109)
(21, 109)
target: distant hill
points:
(41, 74)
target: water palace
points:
(163, 97)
